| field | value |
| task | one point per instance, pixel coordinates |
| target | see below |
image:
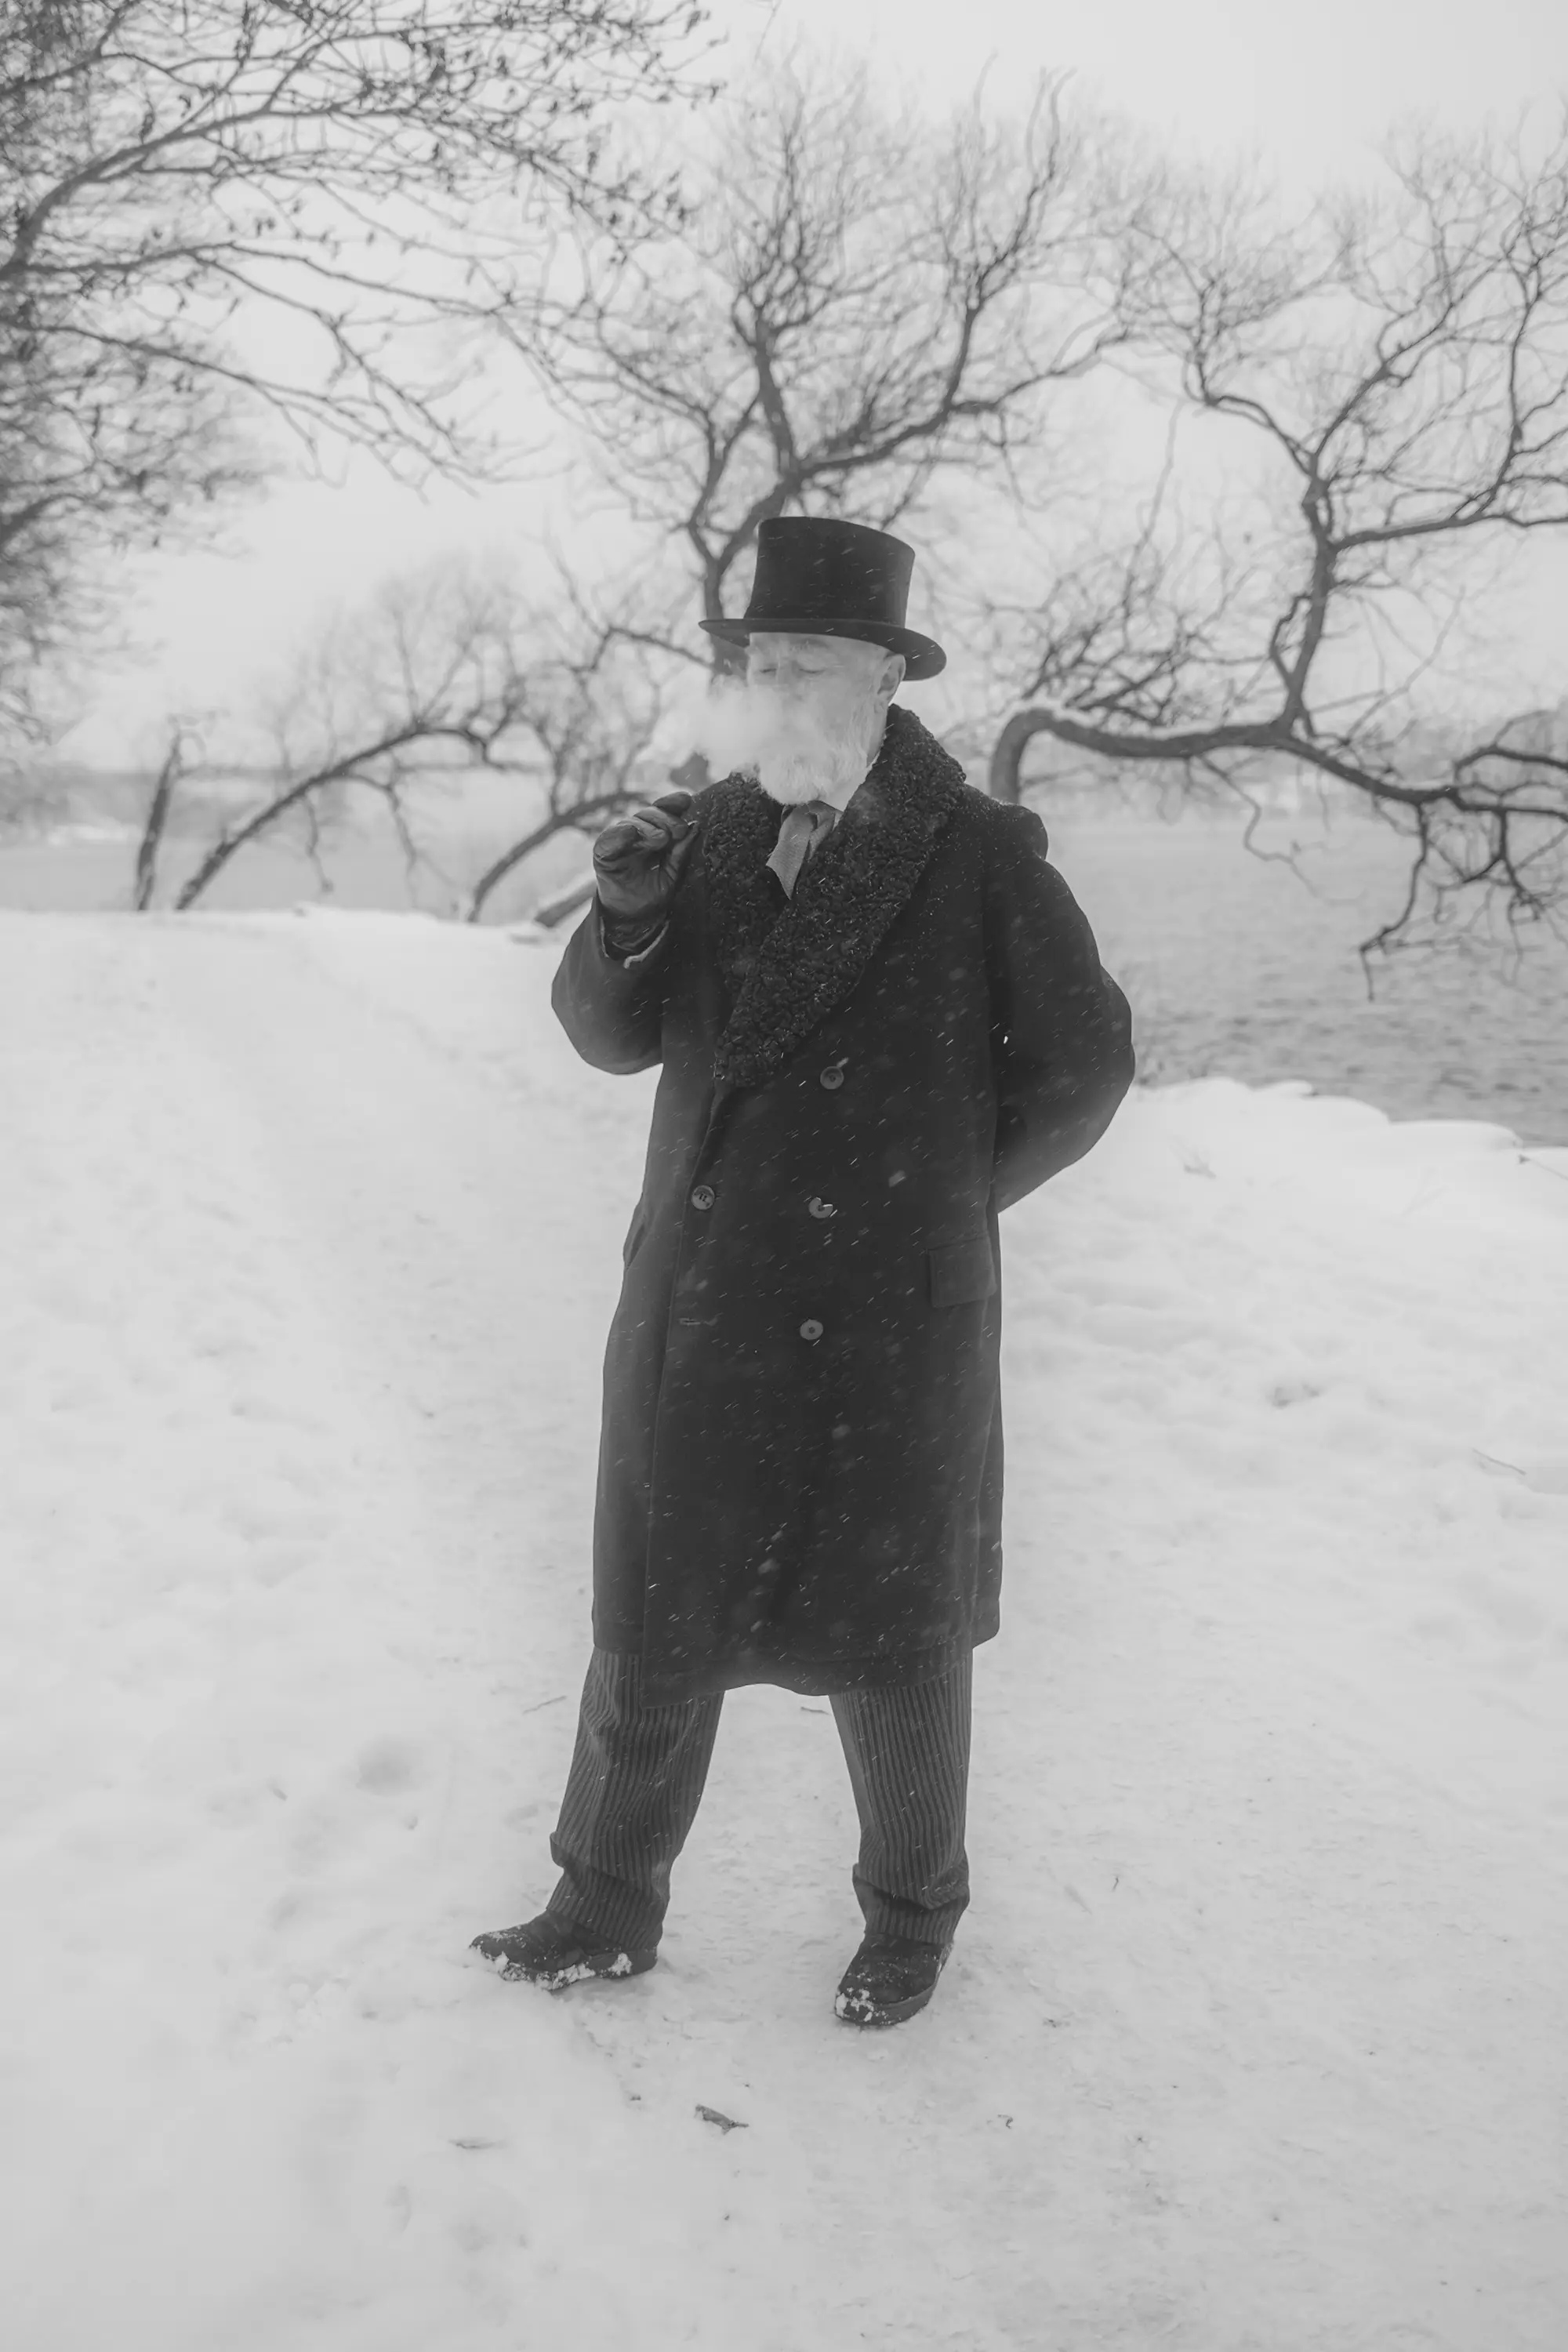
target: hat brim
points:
(923, 657)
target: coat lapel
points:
(786, 971)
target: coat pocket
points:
(961, 1272)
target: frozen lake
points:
(1235, 966)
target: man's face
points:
(817, 705)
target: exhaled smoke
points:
(730, 727)
(740, 727)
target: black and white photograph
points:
(784, 1176)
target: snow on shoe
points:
(555, 1953)
(890, 1979)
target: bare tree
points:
(855, 301)
(216, 214)
(592, 696)
(1401, 368)
(442, 679)
(175, 760)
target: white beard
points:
(793, 778)
(793, 763)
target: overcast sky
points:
(1311, 92)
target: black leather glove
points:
(638, 864)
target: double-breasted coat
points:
(800, 1463)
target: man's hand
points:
(637, 860)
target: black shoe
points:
(889, 1980)
(557, 1952)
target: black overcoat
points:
(800, 1465)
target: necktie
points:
(805, 828)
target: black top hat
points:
(820, 578)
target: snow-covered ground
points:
(1255, 2038)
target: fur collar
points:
(786, 970)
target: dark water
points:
(1244, 969)
(1234, 966)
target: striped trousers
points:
(636, 1781)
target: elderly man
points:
(882, 1019)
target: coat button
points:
(811, 1328)
(702, 1196)
(820, 1208)
(830, 1077)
